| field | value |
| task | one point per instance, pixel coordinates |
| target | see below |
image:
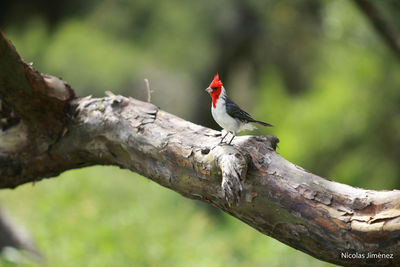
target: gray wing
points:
(235, 111)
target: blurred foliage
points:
(314, 69)
(103, 216)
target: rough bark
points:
(248, 180)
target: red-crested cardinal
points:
(226, 113)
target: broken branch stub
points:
(233, 166)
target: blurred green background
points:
(315, 69)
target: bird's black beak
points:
(208, 90)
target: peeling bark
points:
(248, 180)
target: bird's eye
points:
(214, 88)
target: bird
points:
(227, 113)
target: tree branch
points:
(381, 26)
(248, 180)
(12, 236)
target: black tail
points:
(262, 123)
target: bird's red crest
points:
(216, 87)
(216, 82)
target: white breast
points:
(221, 116)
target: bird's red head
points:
(216, 83)
(215, 89)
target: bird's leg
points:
(220, 142)
(233, 136)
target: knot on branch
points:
(233, 165)
(8, 118)
(57, 88)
